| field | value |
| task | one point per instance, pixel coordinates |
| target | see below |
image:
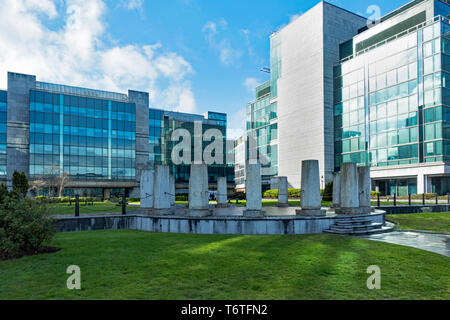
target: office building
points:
(102, 140)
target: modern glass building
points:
(262, 126)
(173, 121)
(391, 100)
(101, 140)
(292, 116)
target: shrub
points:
(328, 192)
(294, 193)
(428, 196)
(374, 194)
(20, 183)
(24, 226)
(181, 197)
(271, 194)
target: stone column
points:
(146, 187)
(172, 190)
(283, 196)
(198, 191)
(349, 190)
(364, 184)
(253, 187)
(311, 201)
(222, 192)
(162, 198)
(336, 190)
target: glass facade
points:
(182, 172)
(85, 137)
(275, 64)
(3, 119)
(156, 141)
(220, 118)
(394, 111)
(262, 122)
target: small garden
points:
(25, 225)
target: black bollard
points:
(448, 198)
(423, 199)
(92, 202)
(395, 199)
(437, 199)
(378, 199)
(124, 205)
(409, 199)
(77, 205)
(70, 202)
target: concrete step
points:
(353, 219)
(357, 227)
(359, 233)
(365, 223)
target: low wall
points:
(402, 209)
(209, 225)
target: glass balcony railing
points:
(99, 94)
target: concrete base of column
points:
(283, 205)
(163, 212)
(366, 210)
(222, 205)
(348, 211)
(253, 213)
(311, 212)
(199, 212)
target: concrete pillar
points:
(349, 190)
(198, 191)
(146, 186)
(222, 192)
(161, 191)
(311, 201)
(106, 193)
(283, 195)
(364, 185)
(253, 189)
(428, 185)
(336, 189)
(172, 190)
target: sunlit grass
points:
(143, 265)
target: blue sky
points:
(192, 55)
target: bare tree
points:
(64, 178)
(37, 185)
(51, 177)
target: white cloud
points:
(76, 54)
(227, 54)
(237, 124)
(251, 83)
(133, 4)
(295, 16)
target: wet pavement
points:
(437, 243)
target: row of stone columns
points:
(351, 190)
(158, 191)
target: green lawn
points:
(142, 265)
(98, 207)
(422, 221)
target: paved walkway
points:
(437, 243)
